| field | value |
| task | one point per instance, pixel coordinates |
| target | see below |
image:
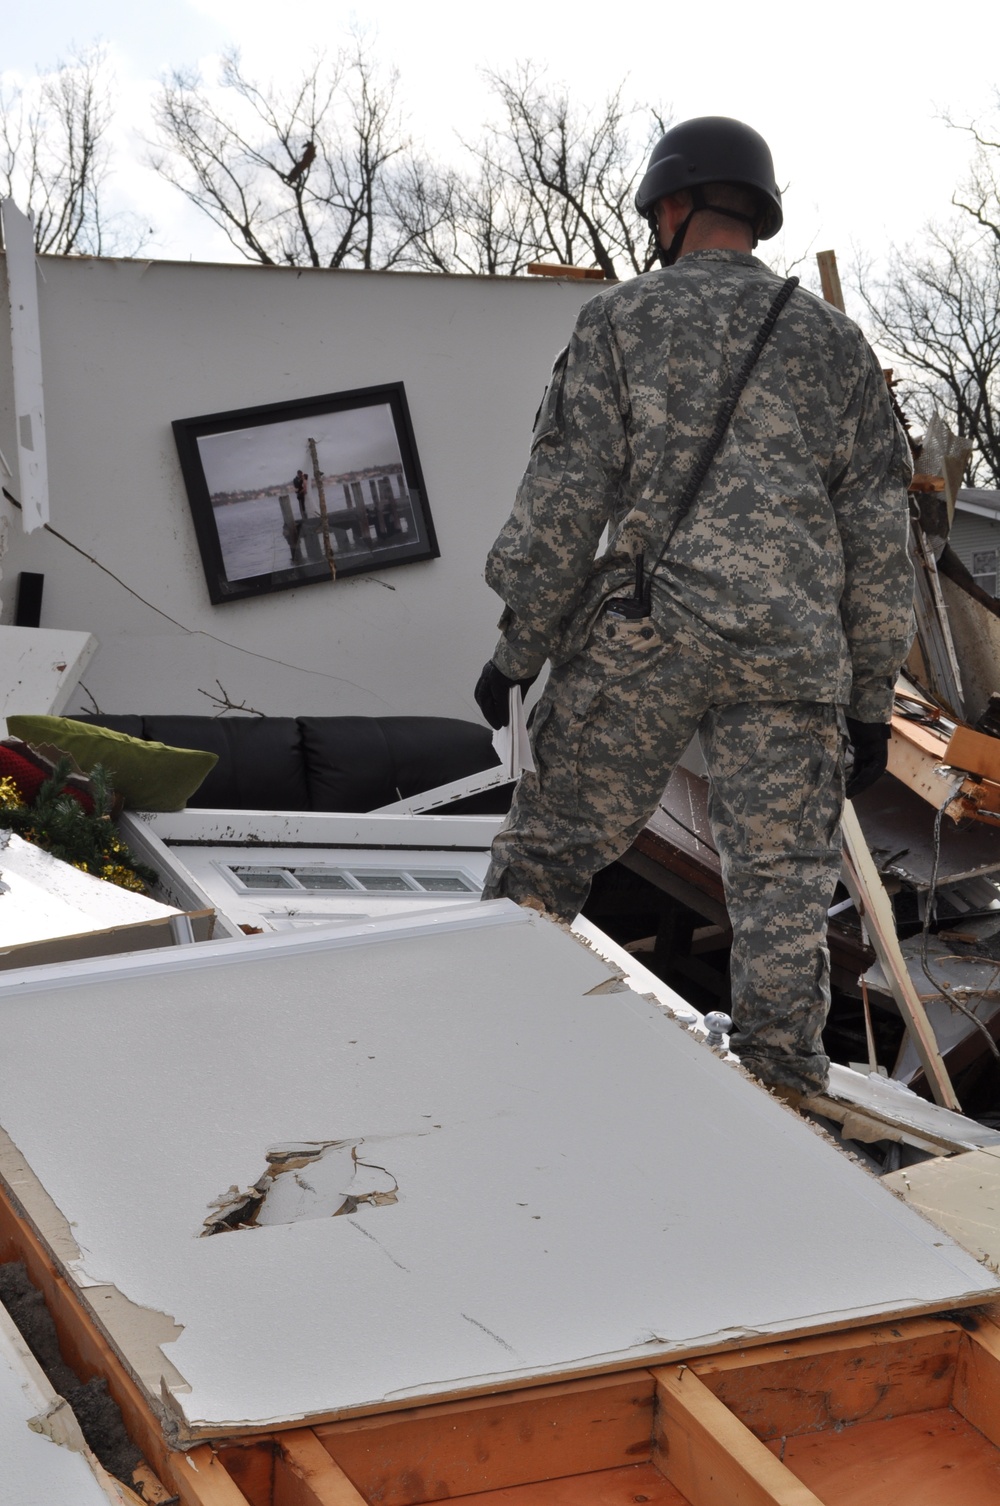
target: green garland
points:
(58, 823)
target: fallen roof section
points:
(532, 1131)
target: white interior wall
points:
(129, 346)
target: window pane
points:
(444, 883)
(322, 878)
(384, 883)
(264, 878)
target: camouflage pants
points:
(609, 728)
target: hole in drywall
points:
(304, 1179)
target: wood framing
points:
(902, 1411)
(460, 1448)
(710, 1456)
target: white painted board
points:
(39, 669)
(580, 1183)
(42, 897)
(26, 364)
(34, 1469)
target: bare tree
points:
(55, 158)
(476, 221)
(576, 172)
(295, 176)
(937, 310)
(323, 174)
(548, 182)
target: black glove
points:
(870, 741)
(492, 694)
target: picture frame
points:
(305, 492)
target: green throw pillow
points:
(148, 776)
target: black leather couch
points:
(325, 763)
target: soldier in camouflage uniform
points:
(778, 618)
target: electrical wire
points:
(191, 632)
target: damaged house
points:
(322, 1183)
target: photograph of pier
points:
(307, 495)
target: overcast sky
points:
(850, 96)
(271, 453)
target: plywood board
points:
(562, 1179)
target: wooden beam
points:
(306, 1475)
(829, 278)
(250, 1465)
(560, 269)
(975, 752)
(836, 1387)
(709, 1455)
(201, 1477)
(976, 1392)
(493, 1442)
(866, 889)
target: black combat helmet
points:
(711, 149)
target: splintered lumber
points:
(974, 751)
(559, 269)
(712, 1458)
(915, 755)
(829, 278)
(866, 889)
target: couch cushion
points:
(357, 763)
(149, 776)
(260, 763)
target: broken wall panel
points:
(43, 1458)
(545, 1135)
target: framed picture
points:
(293, 494)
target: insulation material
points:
(549, 1175)
(43, 1458)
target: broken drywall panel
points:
(43, 1458)
(636, 975)
(961, 1195)
(538, 1138)
(40, 669)
(218, 953)
(42, 897)
(26, 362)
(138, 1331)
(871, 1107)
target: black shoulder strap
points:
(732, 397)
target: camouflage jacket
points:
(793, 561)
